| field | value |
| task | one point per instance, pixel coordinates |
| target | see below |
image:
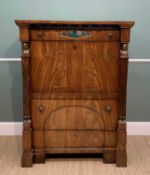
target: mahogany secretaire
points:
(74, 85)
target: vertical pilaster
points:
(27, 129)
(27, 155)
(121, 154)
(123, 72)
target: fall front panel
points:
(74, 66)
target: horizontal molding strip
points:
(133, 128)
(131, 60)
(10, 59)
(144, 60)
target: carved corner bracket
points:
(124, 50)
(25, 49)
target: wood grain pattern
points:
(74, 81)
(76, 95)
(74, 114)
(24, 34)
(75, 67)
(125, 35)
(123, 71)
(26, 85)
(73, 139)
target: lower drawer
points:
(73, 139)
(74, 114)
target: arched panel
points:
(74, 117)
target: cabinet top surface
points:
(121, 24)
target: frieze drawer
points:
(83, 35)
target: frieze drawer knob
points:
(110, 35)
(41, 108)
(40, 35)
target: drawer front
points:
(73, 139)
(74, 114)
(86, 35)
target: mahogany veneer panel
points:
(56, 67)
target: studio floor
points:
(138, 161)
